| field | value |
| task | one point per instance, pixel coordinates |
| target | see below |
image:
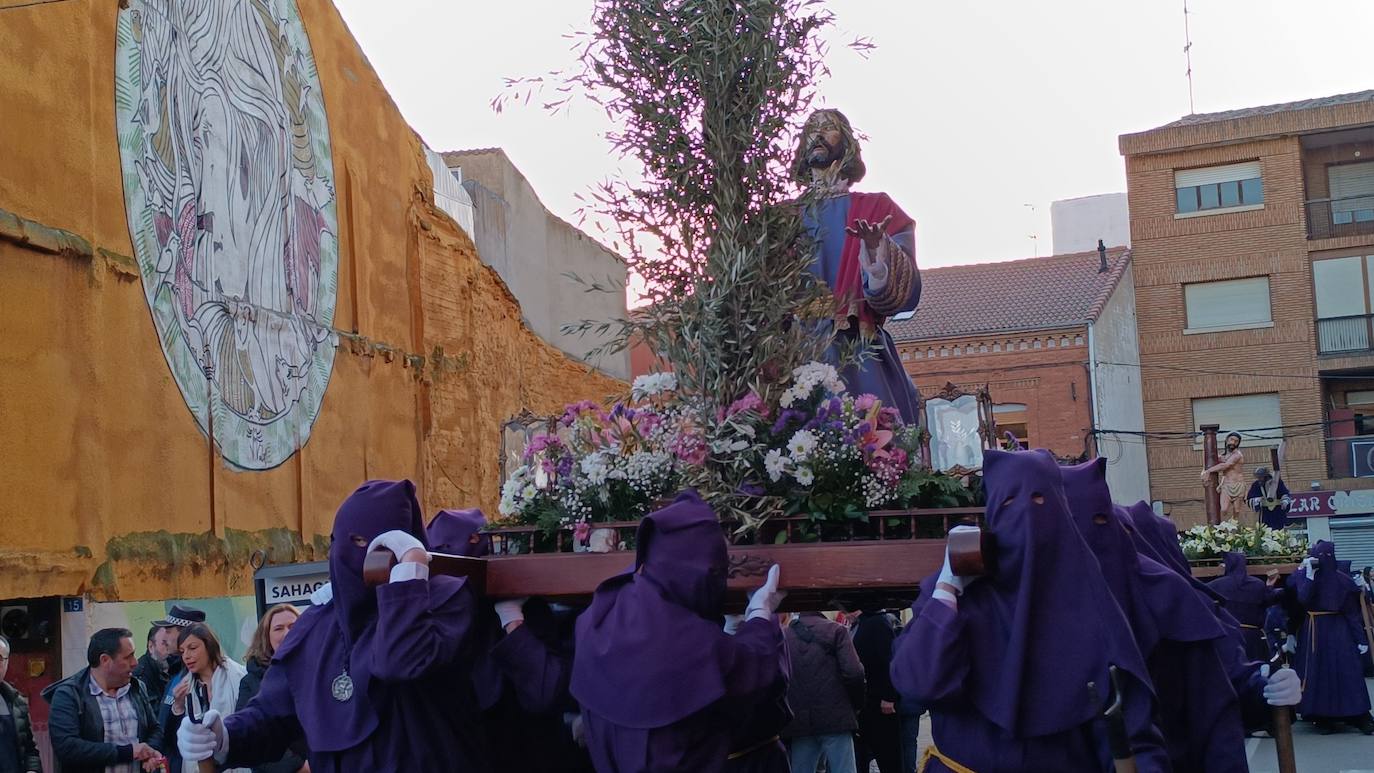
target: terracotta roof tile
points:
(1032, 294)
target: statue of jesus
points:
(865, 252)
(1231, 482)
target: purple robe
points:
(1246, 598)
(1177, 632)
(881, 375)
(661, 685)
(405, 647)
(1328, 659)
(1006, 675)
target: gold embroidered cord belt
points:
(933, 753)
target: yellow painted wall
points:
(106, 482)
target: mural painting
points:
(228, 187)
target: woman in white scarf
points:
(205, 663)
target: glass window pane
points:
(1209, 196)
(1187, 199)
(1252, 191)
(1230, 194)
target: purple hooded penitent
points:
(1178, 634)
(661, 685)
(1328, 658)
(1245, 597)
(453, 531)
(404, 648)
(1006, 675)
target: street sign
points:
(1332, 504)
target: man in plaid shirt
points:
(101, 719)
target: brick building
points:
(1253, 240)
(1052, 338)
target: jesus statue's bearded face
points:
(827, 151)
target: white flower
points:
(651, 384)
(790, 396)
(804, 476)
(776, 464)
(801, 445)
(595, 468)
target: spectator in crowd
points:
(661, 685)
(179, 617)
(271, 632)
(378, 678)
(152, 665)
(826, 694)
(18, 753)
(879, 728)
(210, 680)
(101, 719)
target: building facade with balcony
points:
(1054, 341)
(1253, 237)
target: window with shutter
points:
(1250, 415)
(1232, 304)
(1216, 189)
(1352, 192)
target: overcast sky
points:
(973, 110)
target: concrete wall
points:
(110, 487)
(533, 251)
(1117, 394)
(1050, 380)
(1079, 223)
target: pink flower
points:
(864, 403)
(690, 448)
(581, 531)
(750, 402)
(888, 418)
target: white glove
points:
(511, 610)
(1291, 646)
(322, 595)
(400, 543)
(1309, 567)
(948, 577)
(1364, 649)
(1255, 502)
(1284, 688)
(766, 599)
(575, 727)
(732, 623)
(1286, 500)
(204, 740)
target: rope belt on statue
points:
(933, 753)
(754, 748)
(1311, 641)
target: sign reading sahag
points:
(293, 590)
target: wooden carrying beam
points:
(815, 576)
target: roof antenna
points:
(1101, 257)
(1188, 55)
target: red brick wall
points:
(1052, 382)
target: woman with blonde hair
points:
(271, 632)
(210, 680)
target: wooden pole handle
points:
(377, 568)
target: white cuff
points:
(877, 277)
(940, 594)
(409, 570)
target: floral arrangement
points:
(1210, 542)
(819, 452)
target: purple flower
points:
(870, 447)
(836, 405)
(864, 428)
(865, 402)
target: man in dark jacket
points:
(101, 717)
(18, 754)
(826, 693)
(879, 727)
(152, 666)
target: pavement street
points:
(1347, 751)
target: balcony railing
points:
(1336, 335)
(1350, 216)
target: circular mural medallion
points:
(229, 190)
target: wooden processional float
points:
(881, 559)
